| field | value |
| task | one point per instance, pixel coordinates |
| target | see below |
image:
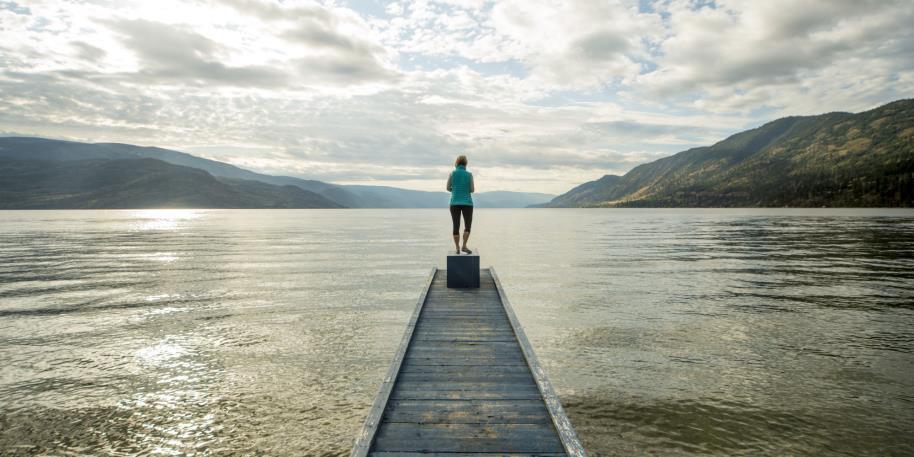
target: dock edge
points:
(370, 428)
(560, 420)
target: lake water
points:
(267, 332)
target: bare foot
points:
(466, 250)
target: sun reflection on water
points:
(163, 219)
(175, 416)
(164, 257)
(160, 353)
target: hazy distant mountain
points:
(834, 159)
(26, 148)
(137, 183)
(353, 196)
(584, 194)
(392, 197)
(505, 199)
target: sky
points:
(540, 95)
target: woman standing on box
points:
(460, 185)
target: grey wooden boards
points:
(463, 383)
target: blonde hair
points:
(461, 160)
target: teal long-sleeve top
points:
(460, 184)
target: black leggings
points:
(467, 211)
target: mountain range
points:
(45, 173)
(834, 159)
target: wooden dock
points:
(465, 381)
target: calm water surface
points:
(667, 332)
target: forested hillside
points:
(834, 159)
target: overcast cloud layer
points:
(541, 95)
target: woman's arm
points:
(472, 184)
(449, 181)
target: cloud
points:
(630, 130)
(175, 55)
(740, 55)
(88, 52)
(277, 11)
(540, 94)
(602, 45)
(577, 45)
(338, 45)
(179, 55)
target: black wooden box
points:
(463, 270)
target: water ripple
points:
(673, 332)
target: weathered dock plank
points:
(464, 454)
(528, 438)
(465, 382)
